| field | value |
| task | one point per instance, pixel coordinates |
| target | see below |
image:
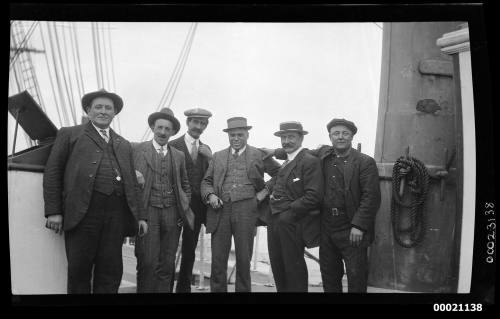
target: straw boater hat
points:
(350, 125)
(291, 126)
(89, 97)
(198, 112)
(237, 122)
(167, 114)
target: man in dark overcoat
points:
(91, 193)
(350, 204)
(165, 196)
(295, 192)
(233, 186)
(197, 156)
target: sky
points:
(266, 72)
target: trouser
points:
(156, 251)
(95, 245)
(237, 219)
(189, 242)
(286, 254)
(335, 247)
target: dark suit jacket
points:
(304, 186)
(214, 178)
(144, 154)
(70, 172)
(362, 187)
(179, 144)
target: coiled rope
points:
(417, 183)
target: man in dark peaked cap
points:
(166, 195)
(197, 155)
(91, 193)
(350, 204)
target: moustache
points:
(162, 136)
(286, 145)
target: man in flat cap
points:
(91, 192)
(234, 188)
(197, 156)
(351, 201)
(165, 195)
(295, 192)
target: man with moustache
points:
(165, 196)
(233, 186)
(351, 201)
(295, 191)
(91, 192)
(197, 156)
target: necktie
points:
(284, 163)
(105, 135)
(194, 151)
(162, 151)
(235, 155)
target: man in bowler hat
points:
(91, 193)
(165, 196)
(197, 155)
(351, 201)
(233, 187)
(295, 192)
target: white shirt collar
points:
(158, 146)
(240, 151)
(292, 155)
(188, 139)
(98, 129)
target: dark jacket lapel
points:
(349, 168)
(149, 152)
(288, 169)
(91, 132)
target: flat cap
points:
(350, 125)
(198, 112)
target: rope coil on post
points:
(417, 183)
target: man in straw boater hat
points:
(350, 204)
(165, 196)
(197, 156)
(91, 193)
(233, 187)
(296, 193)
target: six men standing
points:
(91, 192)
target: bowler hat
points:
(237, 122)
(89, 97)
(167, 114)
(350, 125)
(291, 126)
(198, 112)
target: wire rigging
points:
(176, 74)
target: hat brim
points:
(279, 133)
(160, 115)
(235, 128)
(89, 97)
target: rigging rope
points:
(73, 55)
(58, 81)
(69, 92)
(78, 58)
(20, 45)
(50, 77)
(175, 76)
(417, 182)
(99, 84)
(113, 73)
